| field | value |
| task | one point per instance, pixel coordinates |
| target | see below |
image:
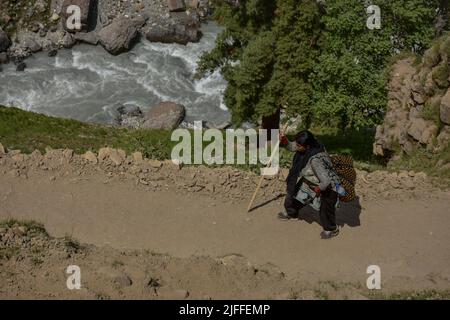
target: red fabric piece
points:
(284, 141)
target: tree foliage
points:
(314, 58)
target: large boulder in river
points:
(177, 33)
(4, 41)
(31, 44)
(87, 37)
(118, 36)
(88, 10)
(166, 115)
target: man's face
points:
(300, 148)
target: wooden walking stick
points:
(274, 151)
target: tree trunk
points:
(271, 122)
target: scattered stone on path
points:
(123, 281)
(179, 294)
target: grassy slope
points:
(28, 131)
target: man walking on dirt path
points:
(311, 181)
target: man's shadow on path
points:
(347, 214)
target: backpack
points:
(343, 166)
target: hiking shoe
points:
(285, 217)
(329, 234)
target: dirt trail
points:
(406, 238)
(404, 231)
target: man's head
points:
(305, 140)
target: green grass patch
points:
(430, 111)
(423, 160)
(28, 131)
(440, 75)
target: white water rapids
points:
(88, 84)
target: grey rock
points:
(35, 27)
(52, 53)
(31, 44)
(176, 5)
(443, 138)
(130, 116)
(42, 33)
(21, 66)
(89, 37)
(68, 41)
(221, 126)
(166, 115)
(40, 6)
(420, 130)
(408, 147)
(192, 3)
(123, 281)
(418, 97)
(117, 37)
(177, 33)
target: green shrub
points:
(430, 111)
(432, 57)
(440, 75)
(445, 48)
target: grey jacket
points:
(319, 170)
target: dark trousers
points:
(327, 212)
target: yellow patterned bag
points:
(343, 165)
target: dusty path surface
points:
(407, 236)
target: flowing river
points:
(88, 84)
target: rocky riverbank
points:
(27, 27)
